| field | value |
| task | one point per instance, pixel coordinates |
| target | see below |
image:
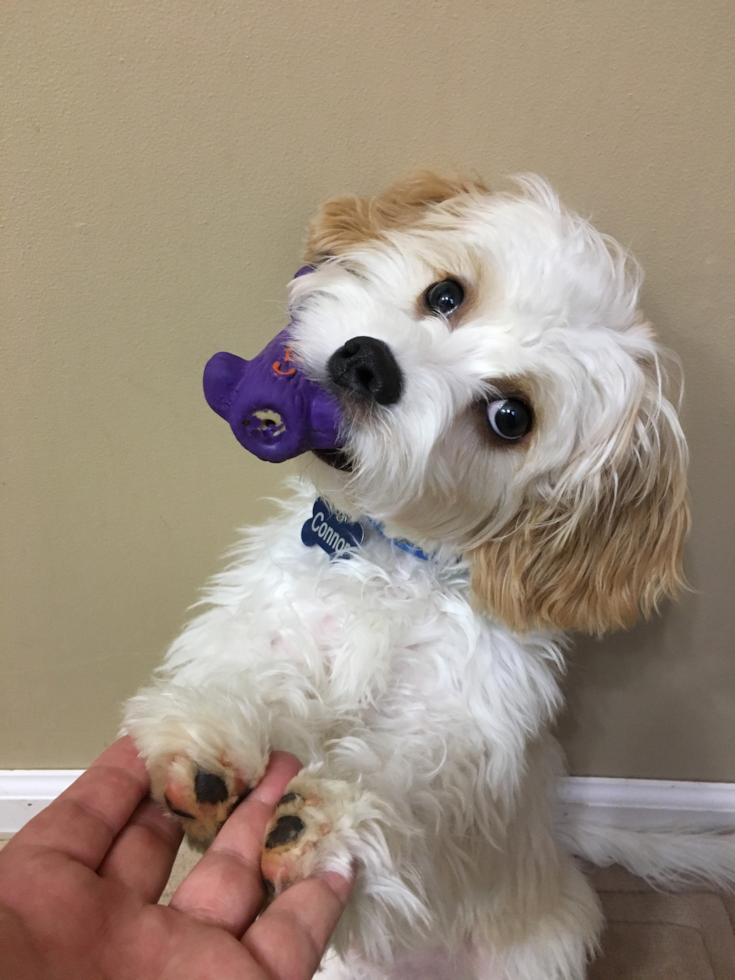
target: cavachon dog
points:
(492, 461)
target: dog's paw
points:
(313, 829)
(200, 798)
(204, 751)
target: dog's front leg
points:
(205, 749)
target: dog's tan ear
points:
(340, 224)
(344, 223)
(596, 561)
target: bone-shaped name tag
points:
(332, 533)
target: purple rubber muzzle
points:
(273, 410)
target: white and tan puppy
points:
(514, 426)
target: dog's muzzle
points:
(365, 366)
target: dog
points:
(511, 456)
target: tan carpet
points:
(661, 936)
(185, 861)
(649, 935)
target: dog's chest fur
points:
(383, 645)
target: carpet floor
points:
(654, 935)
(649, 935)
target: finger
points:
(85, 819)
(289, 939)
(144, 851)
(226, 887)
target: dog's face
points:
(503, 397)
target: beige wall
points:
(160, 160)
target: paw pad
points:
(292, 839)
(288, 828)
(202, 799)
(210, 788)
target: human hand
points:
(79, 886)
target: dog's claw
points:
(176, 810)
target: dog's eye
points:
(444, 297)
(509, 418)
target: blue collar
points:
(410, 549)
(338, 537)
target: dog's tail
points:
(665, 858)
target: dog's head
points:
(503, 396)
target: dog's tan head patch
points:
(345, 223)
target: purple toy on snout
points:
(273, 409)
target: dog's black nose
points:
(366, 366)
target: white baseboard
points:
(646, 804)
(25, 792)
(637, 804)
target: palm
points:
(84, 876)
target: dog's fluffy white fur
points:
(419, 694)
